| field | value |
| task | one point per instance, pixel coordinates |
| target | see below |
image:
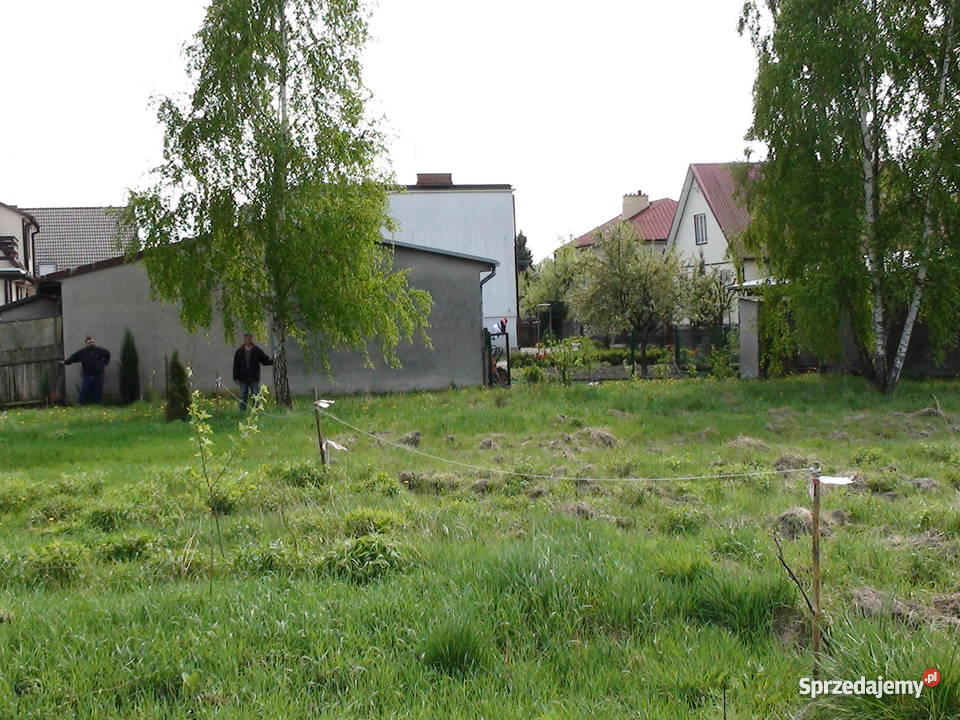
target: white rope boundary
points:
(516, 473)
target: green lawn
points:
(393, 585)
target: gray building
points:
(103, 298)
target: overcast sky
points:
(574, 104)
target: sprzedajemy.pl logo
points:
(878, 688)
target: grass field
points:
(392, 585)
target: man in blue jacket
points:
(93, 361)
(246, 368)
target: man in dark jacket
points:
(93, 360)
(246, 368)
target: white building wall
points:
(477, 222)
(685, 245)
(11, 224)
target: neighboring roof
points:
(719, 187)
(121, 259)
(652, 223)
(436, 251)
(29, 300)
(74, 236)
(454, 188)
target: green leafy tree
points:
(129, 369)
(709, 297)
(550, 280)
(856, 206)
(627, 285)
(178, 390)
(523, 255)
(270, 202)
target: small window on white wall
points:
(700, 228)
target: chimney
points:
(632, 204)
(434, 179)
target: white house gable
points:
(696, 232)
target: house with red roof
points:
(652, 221)
(709, 216)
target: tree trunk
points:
(878, 359)
(928, 219)
(281, 383)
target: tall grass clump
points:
(363, 559)
(872, 648)
(367, 521)
(746, 605)
(455, 646)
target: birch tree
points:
(269, 205)
(856, 204)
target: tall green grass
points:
(391, 585)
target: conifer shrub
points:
(178, 391)
(129, 369)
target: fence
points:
(30, 354)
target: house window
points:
(700, 228)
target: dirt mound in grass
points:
(798, 521)
(792, 461)
(926, 484)
(412, 438)
(618, 413)
(930, 541)
(839, 435)
(598, 436)
(588, 512)
(947, 605)
(745, 442)
(876, 603)
(428, 482)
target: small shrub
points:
(533, 374)
(126, 547)
(178, 391)
(454, 647)
(883, 482)
(681, 520)
(367, 521)
(870, 456)
(272, 558)
(661, 371)
(377, 483)
(58, 561)
(304, 475)
(55, 509)
(221, 501)
(364, 558)
(109, 518)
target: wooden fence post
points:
(316, 414)
(815, 532)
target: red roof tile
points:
(652, 223)
(719, 187)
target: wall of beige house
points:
(101, 303)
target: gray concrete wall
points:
(104, 302)
(749, 311)
(37, 308)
